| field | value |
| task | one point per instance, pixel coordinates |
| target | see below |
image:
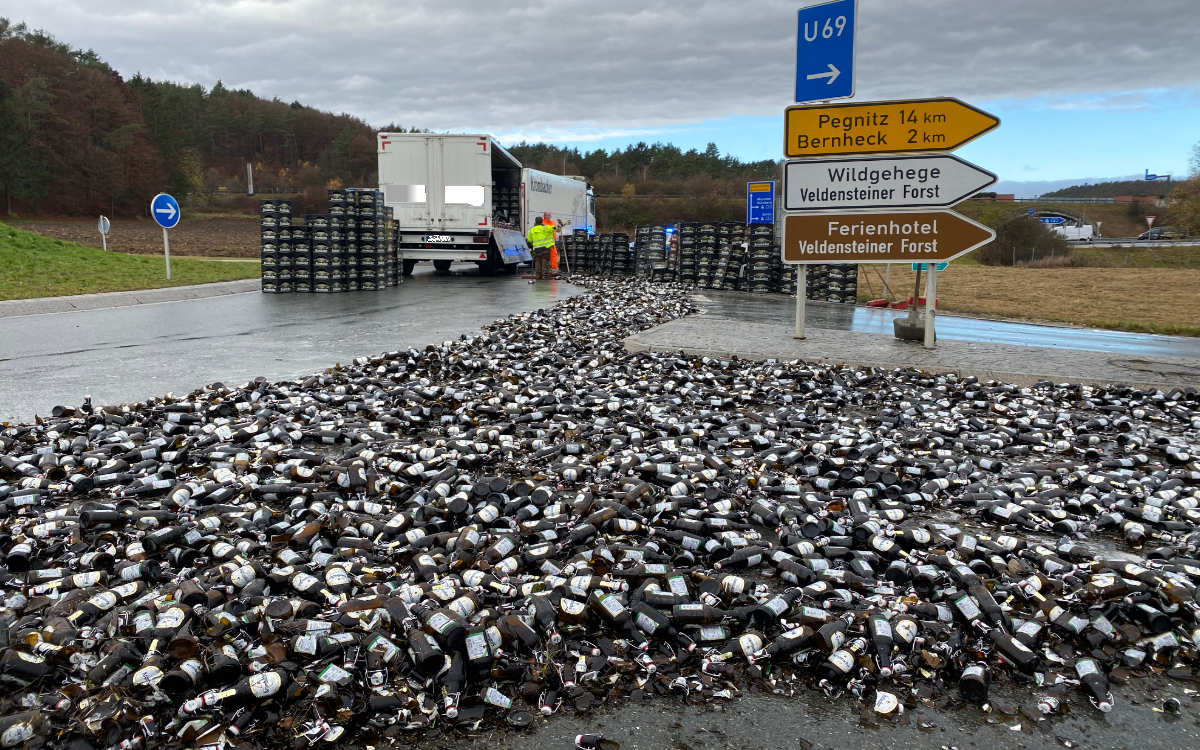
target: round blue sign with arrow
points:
(165, 210)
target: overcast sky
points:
(1084, 87)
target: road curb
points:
(1019, 365)
(80, 302)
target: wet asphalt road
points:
(131, 353)
(777, 307)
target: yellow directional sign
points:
(941, 124)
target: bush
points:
(1023, 239)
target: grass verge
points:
(1150, 300)
(35, 266)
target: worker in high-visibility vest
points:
(553, 250)
(541, 239)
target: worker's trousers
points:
(541, 262)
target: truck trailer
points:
(466, 198)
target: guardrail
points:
(1131, 242)
(1064, 200)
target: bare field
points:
(225, 237)
(1156, 300)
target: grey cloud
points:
(565, 66)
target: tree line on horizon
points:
(76, 138)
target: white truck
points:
(1074, 232)
(465, 198)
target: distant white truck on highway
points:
(466, 198)
(1074, 233)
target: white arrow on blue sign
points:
(825, 51)
(1052, 219)
(925, 266)
(165, 210)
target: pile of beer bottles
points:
(531, 520)
(347, 249)
(606, 254)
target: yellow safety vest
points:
(541, 236)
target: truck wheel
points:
(409, 265)
(442, 266)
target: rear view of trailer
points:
(453, 197)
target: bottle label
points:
(677, 585)
(304, 582)
(712, 633)
(967, 606)
(837, 639)
(1029, 628)
(265, 684)
(383, 646)
(306, 643)
(439, 622)
(333, 673)
(17, 734)
(883, 629)
(843, 661)
(221, 549)
(1085, 668)
(477, 647)
(131, 572)
(921, 536)
(142, 621)
(777, 606)
(645, 623)
(612, 605)
(749, 643)
(172, 618)
(192, 668)
(906, 630)
(337, 576)
(973, 670)
(504, 546)
(105, 600)
(242, 576)
(813, 613)
(318, 626)
(496, 698)
(147, 676)
(570, 606)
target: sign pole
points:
(930, 305)
(104, 241)
(167, 253)
(801, 293)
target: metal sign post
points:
(165, 211)
(103, 225)
(801, 294)
(930, 304)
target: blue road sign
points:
(1051, 219)
(165, 210)
(760, 202)
(825, 51)
(925, 266)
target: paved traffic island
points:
(723, 330)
